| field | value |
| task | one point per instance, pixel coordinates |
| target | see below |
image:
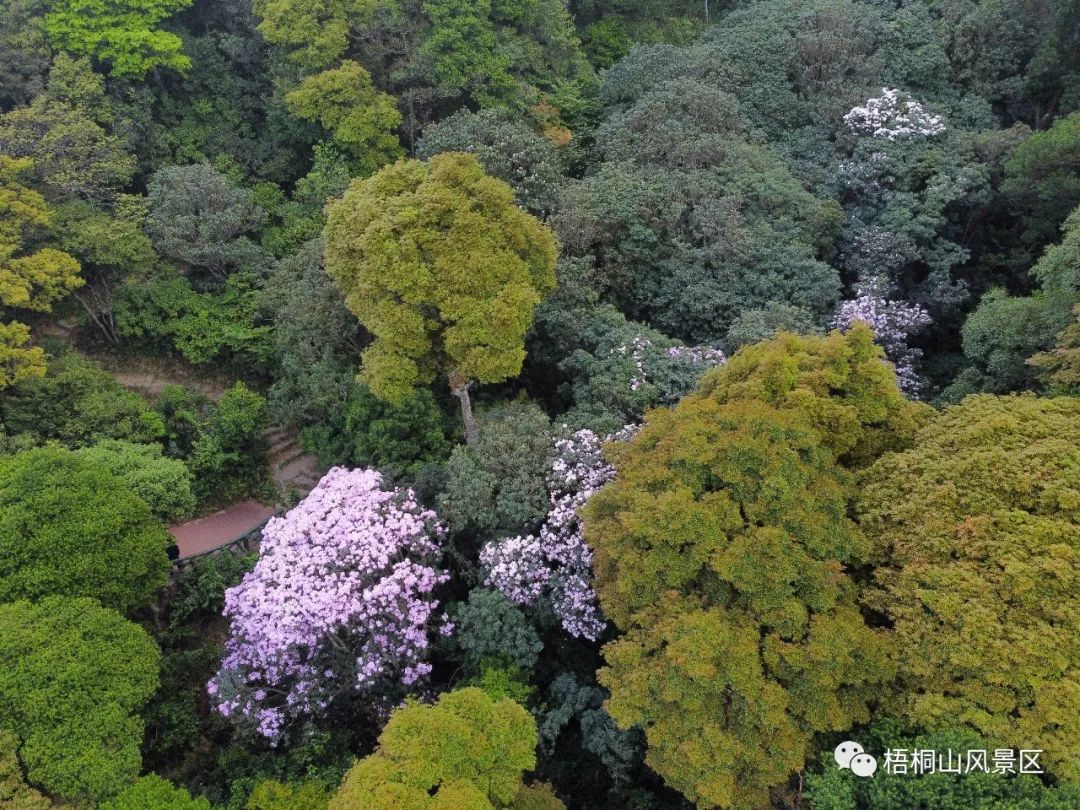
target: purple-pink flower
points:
(893, 322)
(557, 563)
(341, 599)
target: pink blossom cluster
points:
(340, 599)
(557, 562)
(893, 322)
(892, 116)
(697, 357)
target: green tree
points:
(437, 262)
(1043, 173)
(465, 752)
(73, 156)
(15, 794)
(399, 438)
(29, 279)
(78, 403)
(164, 483)
(499, 484)
(26, 52)
(978, 531)
(74, 679)
(229, 456)
(723, 550)
(272, 795)
(1005, 331)
(111, 246)
(71, 528)
(359, 118)
(120, 33)
(154, 793)
(507, 149)
(1060, 367)
(840, 789)
(201, 220)
(491, 631)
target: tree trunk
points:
(460, 388)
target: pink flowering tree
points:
(556, 564)
(340, 601)
(893, 323)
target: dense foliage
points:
(980, 524)
(71, 527)
(75, 676)
(762, 320)
(465, 752)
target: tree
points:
(120, 33)
(506, 148)
(73, 156)
(200, 220)
(437, 262)
(271, 795)
(498, 485)
(465, 752)
(724, 551)
(26, 51)
(78, 403)
(71, 528)
(398, 439)
(15, 794)
(229, 457)
(553, 565)
(75, 677)
(111, 245)
(840, 789)
(1004, 332)
(1060, 367)
(32, 280)
(360, 118)
(489, 631)
(165, 484)
(359, 611)
(154, 793)
(315, 367)
(1042, 174)
(977, 527)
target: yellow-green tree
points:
(1060, 367)
(465, 752)
(119, 33)
(979, 527)
(29, 279)
(723, 552)
(359, 118)
(442, 268)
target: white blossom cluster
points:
(893, 322)
(557, 562)
(893, 116)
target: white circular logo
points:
(863, 765)
(845, 751)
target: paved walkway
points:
(206, 533)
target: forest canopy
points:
(539, 404)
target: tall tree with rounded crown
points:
(437, 262)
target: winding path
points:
(209, 532)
